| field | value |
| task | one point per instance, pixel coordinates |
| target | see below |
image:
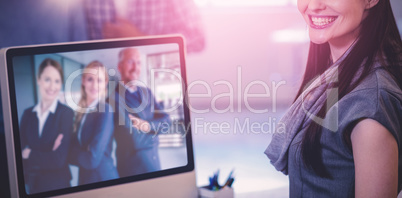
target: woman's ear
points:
(371, 3)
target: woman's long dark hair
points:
(378, 38)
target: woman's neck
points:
(341, 45)
(90, 101)
(45, 105)
(338, 50)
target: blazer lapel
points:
(84, 131)
(48, 128)
(137, 102)
(132, 101)
(33, 134)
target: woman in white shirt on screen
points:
(45, 131)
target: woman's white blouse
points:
(42, 117)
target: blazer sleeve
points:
(58, 158)
(74, 150)
(23, 128)
(160, 119)
(90, 157)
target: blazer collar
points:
(51, 109)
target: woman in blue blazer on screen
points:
(93, 127)
(45, 131)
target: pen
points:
(231, 182)
(213, 181)
(229, 179)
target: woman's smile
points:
(321, 22)
(52, 92)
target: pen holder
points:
(226, 192)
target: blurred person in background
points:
(25, 22)
(130, 18)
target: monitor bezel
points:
(10, 96)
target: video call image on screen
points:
(99, 115)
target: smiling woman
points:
(343, 131)
(336, 22)
(45, 134)
(93, 130)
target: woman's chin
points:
(93, 98)
(318, 41)
(49, 98)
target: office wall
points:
(24, 83)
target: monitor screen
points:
(97, 114)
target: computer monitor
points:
(133, 140)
